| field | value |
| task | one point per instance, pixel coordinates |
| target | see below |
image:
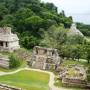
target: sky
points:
(78, 9)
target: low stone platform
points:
(4, 61)
(74, 75)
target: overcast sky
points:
(79, 9)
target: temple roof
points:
(6, 35)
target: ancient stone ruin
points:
(74, 75)
(7, 87)
(74, 30)
(4, 61)
(8, 41)
(44, 58)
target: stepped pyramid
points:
(74, 30)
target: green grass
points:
(28, 80)
(58, 82)
(80, 62)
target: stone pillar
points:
(47, 53)
(4, 45)
(7, 44)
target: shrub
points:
(14, 61)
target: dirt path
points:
(51, 81)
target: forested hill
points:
(85, 29)
(29, 17)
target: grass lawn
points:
(27, 80)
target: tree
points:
(29, 41)
(75, 39)
(80, 51)
(35, 22)
(3, 11)
(51, 7)
(54, 37)
(7, 20)
(87, 52)
(62, 13)
(67, 22)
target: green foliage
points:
(85, 29)
(14, 61)
(68, 46)
(87, 52)
(75, 39)
(71, 51)
(34, 21)
(29, 16)
(29, 41)
(54, 37)
(3, 10)
(27, 80)
(7, 20)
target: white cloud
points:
(72, 6)
(76, 8)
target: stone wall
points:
(73, 75)
(73, 83)
(4, 62)
(7, 87)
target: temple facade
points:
(44, 58)
(8, 41)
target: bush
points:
(14, 61)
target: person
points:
(56, 66)
(48, 66)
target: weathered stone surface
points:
(7, 87)
(74, 30)
(73, 75)
(4, 61)
(44, 57)
(8, 41)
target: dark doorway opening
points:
(1, 43)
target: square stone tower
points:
(8, 41)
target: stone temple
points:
(8, 41)
(74, 30)
(44, 58)
(73, 75)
